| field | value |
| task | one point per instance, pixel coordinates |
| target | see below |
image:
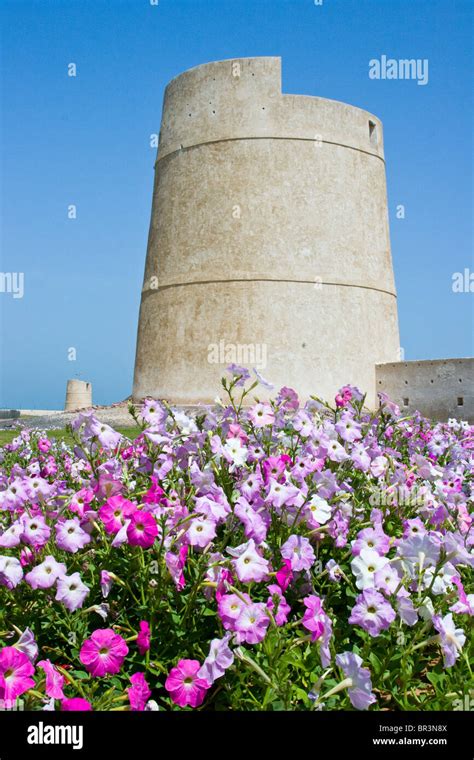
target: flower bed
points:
(266, 557)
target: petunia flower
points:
(142, 529)
(11, 571)
(71, 591)
(284, 575)
(252, 623)
(103, 653)
(249, 564)
(300, 553)
(452, 639)
(76, 704)
(372, 612)
(35, 531)
(144, 637)
(54, 680)
(15, 674)
(138, 692)
(360, 690)
(46, 574)
(229, 608)
(176, 564)
(27, 644)
(115, 512)
(317, 511)
(219, 659)
(70, 536)
(201, 531)
(185, 686)
(278, 605)
(261, 415)
(365, 566)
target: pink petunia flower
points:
(76, 704)
(106, 580)
(142, 530)
(54, 680)
(27, 556)
(12, 536)
(81, 500)
(139, 692)
(185, 686)
(229, 607)
(201, 531)
(372, 612)
(103, 653)
(277, 604)
(115, 512)
(176, 564)
(284, 575)
(144, 637)
(15, 672)
(314, 616)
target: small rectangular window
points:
(405, 402)
(460, 401)
(373, 132)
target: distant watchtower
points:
(269, 229)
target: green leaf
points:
(377, 665)
(81, 675)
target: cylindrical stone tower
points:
(269, 242)
(78, 395)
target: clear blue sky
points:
(85, 141)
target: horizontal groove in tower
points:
(269, 228)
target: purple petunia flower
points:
(249, 564)
(252, 623)
(70, 536)
(298, 550)
(360, 692)
(219, 659)
(452, 639)
(71, 591)
(45, 574)
(372, 612)
(11, 571)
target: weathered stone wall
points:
(78, 395)
(440, 389)
(9, 414)
(269, 234)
